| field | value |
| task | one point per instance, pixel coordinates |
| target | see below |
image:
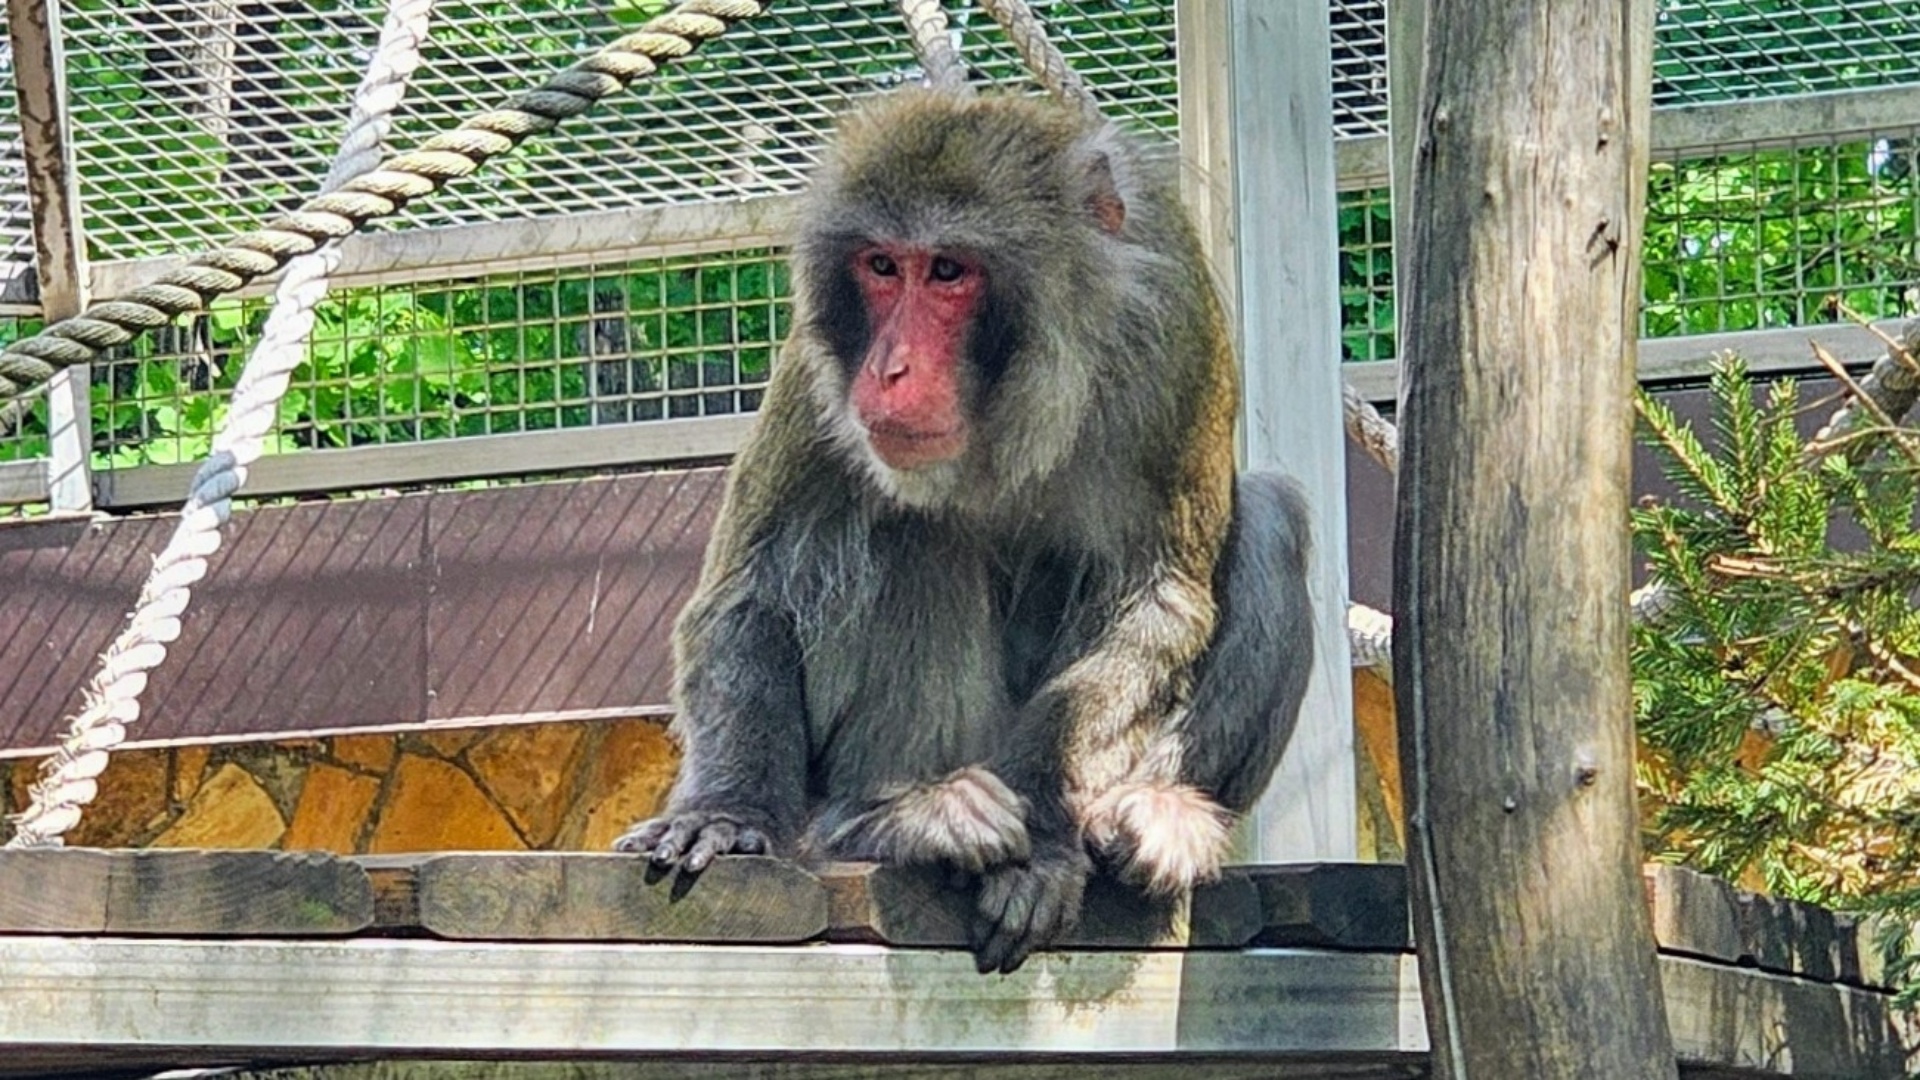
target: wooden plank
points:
(1521, 276)
(214, 893)
(565, 896)
(471, 607)
(84, 1003)
(1240, 1067)
(915, 907)
(1767, 1025)
(1343, 905)
(205, 1002)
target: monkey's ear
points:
(1103, 196)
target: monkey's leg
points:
(969, 819)
(1167, 825)
(742, 729)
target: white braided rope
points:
(933, 43)
(69, 779)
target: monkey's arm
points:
(742, 731)
(741, 717)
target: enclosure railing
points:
(631, 272)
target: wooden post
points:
(60, 254)
(1256, 95)
(1511, 552)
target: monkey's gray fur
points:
(1078, 640)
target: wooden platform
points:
(161, 958)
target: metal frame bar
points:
(1785, 351)
(653, 442)
(664, 442)
(504, 247)
(1697, 130)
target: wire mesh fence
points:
(232, 119)
(193, 120)
(528, 350)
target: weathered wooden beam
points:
(1699, 915)
(894, 906)
(206, 1001)
(556, 896)
(1521, 281)
(215, 893)
(1251, 1067)
(1343, 905)
(82, 1004)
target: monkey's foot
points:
(970, 820)
(1166, 838)
(693, 839)
(1027, 907)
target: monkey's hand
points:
(1026, 906)
(693, 838)
(969, 819)
(1164, 837)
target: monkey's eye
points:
(882, 265)
(945, 269)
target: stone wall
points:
(566, 786)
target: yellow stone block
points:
(332, 809)
(374, 753)
(527, 769)
(434, 806)
(231, 810)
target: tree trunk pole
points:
(1511, 546)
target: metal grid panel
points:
(524, 351)
(29, 439)
(1359, 31)
(16, 217)
(1759, 239)
(1716, 50)
(1366, 275)
(191, 122)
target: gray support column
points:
(1256, 102)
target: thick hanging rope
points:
(69, 779)
(932, 43)
(1043, 59)
(379, 192)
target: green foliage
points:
(1771, 238)
(1778, 700)
(655, 338)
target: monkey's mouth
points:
(907, 448)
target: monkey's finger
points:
(1006, 911)
(642, 838)
(752, 842)
(1024, 932)
(680, 837)
(1049, 916)
(716, 839)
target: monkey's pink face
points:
(908, 392)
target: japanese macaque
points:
(984, 592)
